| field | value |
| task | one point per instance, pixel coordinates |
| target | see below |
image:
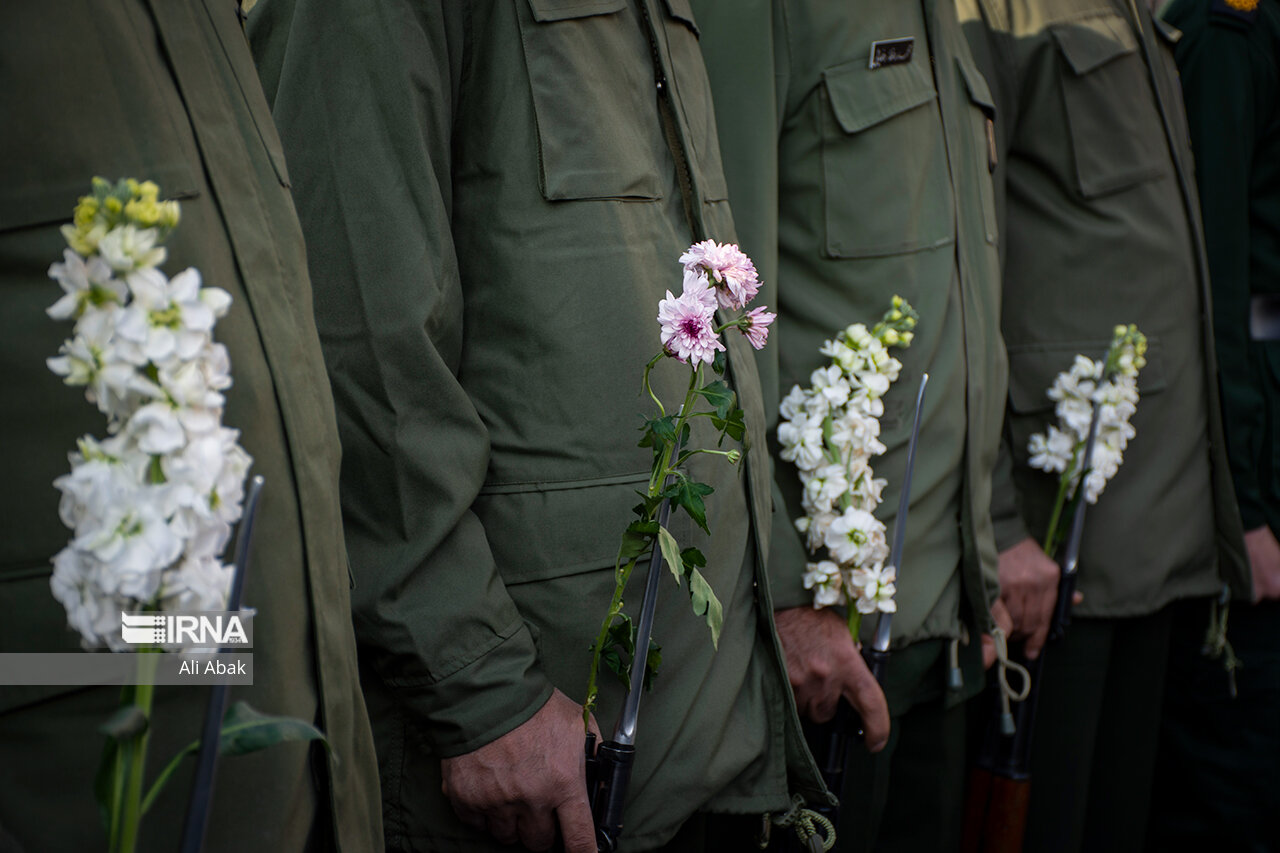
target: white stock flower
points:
(825, 487)
(875, 587)
(801, 442)
(1051, 450)
(793, 404)
(127, 248)
(826, 582)
(854, 537)
(83, 282)
(831, 384)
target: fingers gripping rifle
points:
(1000, 785)
(829, 742)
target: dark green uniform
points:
(880, 182)
(495, 195)
(1101, 226)
(1219, 779)
(166, 91)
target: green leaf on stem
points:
(731, 426)
(705, 603)
(671, 553)
(688, 495)
(658, 432)
(719, 395)
(652, 663)
(719, 363)
(636, 540)
(692, 558)
(244, 730)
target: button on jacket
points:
(167, 91)
(1101, 226)
(495, 195)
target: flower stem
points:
(621, 573)
(1064, 482)
(855, 624)
(128, 800)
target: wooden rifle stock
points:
(995, 813)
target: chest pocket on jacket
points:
(591, 75)
(1116, 130)
(884, 164)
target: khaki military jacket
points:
(495, 195)
(167, 91)
(1101, 225)
(881, 185)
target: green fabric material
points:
(495, 195)
(1230, 72)
(1100, 226)
(881, 183)
(1096, 733)
(167, 91)
(921, 771)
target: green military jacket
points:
(1229, 61)
(495, 195)
(1100, 226)
(166, 91)
(880, 184)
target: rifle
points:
(196, 821)
(995, 814)
(609, 765)
(829, 741)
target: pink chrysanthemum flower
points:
(734, 273)
(756, 326)
(687, 330)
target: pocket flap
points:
(682, 11)
(979, 93)
(1032, 370)
(1092, 42)
(545, 530)
(862, 97)
(560, 10)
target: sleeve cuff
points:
(484, 700)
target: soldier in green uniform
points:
(1100, 226)
(879, 175)
(495, 195)
(167, 91)
(1218, 783)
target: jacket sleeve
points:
(363, 93)
(1217, 82)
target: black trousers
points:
(1096, 731)
(1218, 770)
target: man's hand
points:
(1264, 560)
(1029, 589)
(823, 664)
(521, 785)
